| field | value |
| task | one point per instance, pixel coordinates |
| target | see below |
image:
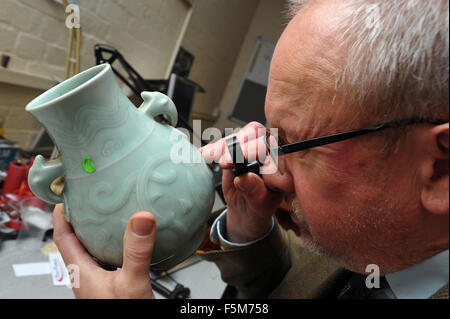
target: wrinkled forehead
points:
(301, 93)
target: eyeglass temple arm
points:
(319, 141)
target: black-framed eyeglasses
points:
(275, 149)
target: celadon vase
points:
(116, 160)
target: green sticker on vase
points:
(87, 164)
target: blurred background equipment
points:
(183, 63)
(16, 174)
(42, 145)
(4, 61)
(180, 89)
(36, 217)
(17, 203)
(8, 151)
(182, 93)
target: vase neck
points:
(83, 114)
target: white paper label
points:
(60, 275)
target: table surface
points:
(202, 278)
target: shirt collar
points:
(422, 280)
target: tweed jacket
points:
(279, 266)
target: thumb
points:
(247, 183)
(138, 243)
(254, 189)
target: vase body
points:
(117, 160)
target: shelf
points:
(25, 79)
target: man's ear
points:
(435, 191)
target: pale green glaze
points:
(131, 163)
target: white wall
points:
(215, 35)
(269, 22)
(33, 33)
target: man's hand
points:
(132, 280)
(251, 204)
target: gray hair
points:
(397, 57)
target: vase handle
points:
(156, 103)
(40, 177)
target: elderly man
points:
(373, 198)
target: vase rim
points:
(46, 98)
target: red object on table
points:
(14, 224)
(17, 183)
(16, 173)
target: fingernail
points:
(142, 226)
(242, 185)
